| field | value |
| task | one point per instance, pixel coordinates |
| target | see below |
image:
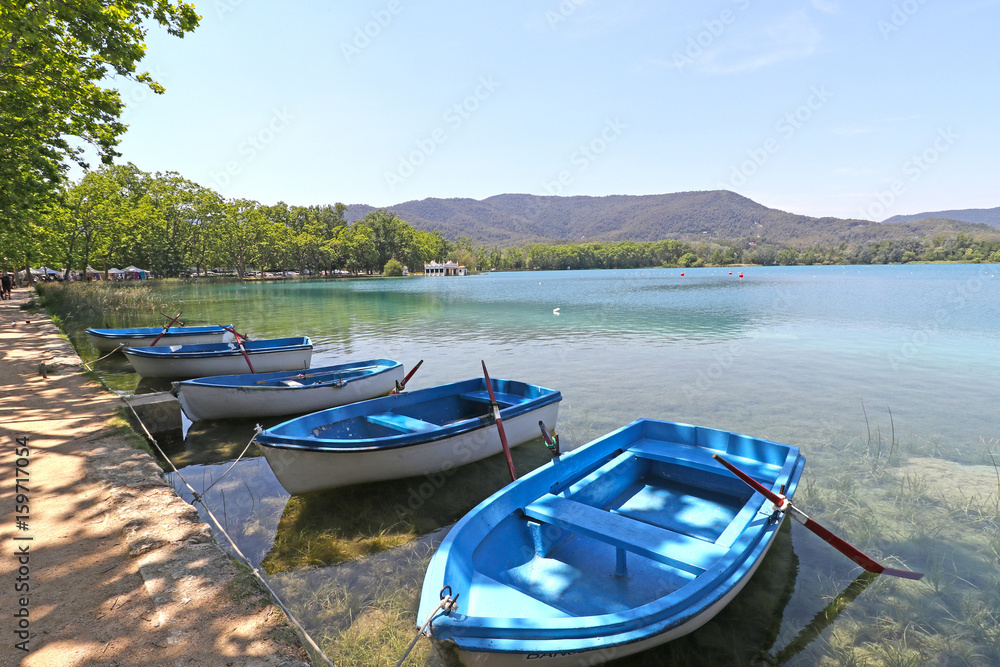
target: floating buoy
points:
(555, 311)
(730, 273)
(741, 275)
(682, 274)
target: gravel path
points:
(102, 563)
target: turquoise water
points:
(786, 353)
(887, 377)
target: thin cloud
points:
(791, 39)
(825, 6)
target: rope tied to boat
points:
(199, 496)
(87, 364)
(314, 648)
(447, 605)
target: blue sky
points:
(819, 107)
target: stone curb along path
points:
(102, 563)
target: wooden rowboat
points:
(188, 361)
(106, 340)
(414, 433)
(631, 541)
(283, 393)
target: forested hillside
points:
(985, 216)
(514, 219)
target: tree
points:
(55, 61)
(392, 268)
(240, 232)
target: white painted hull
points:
(301, 471)
(217, 402)
(235, 364)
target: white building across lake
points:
(446, 269)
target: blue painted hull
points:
(631, 541)
(106, 340)
(414, 433)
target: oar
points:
(173, 320)
(496, 416)
(239, 341)
(783, 504)
(400, 386)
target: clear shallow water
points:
(849, 363)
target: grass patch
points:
(342, 525)
(245, 587)
(102, 304)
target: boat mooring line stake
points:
(303, 633)
(447, 605)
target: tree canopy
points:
(56, 60)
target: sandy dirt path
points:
(101, 562)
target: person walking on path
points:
(5, 285)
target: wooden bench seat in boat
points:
(697, 457)
(401, 422)
(686, 553)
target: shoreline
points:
(114, 567)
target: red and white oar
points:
(496, 416)
(239, 341)
(172, 321)
(400, 386)
(783, 504)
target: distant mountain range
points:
(984, 216)
(516, 219)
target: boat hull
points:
(262, 394)
(633, 540)
(106, 340)
(306, 464)
(189, 361)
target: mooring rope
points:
(199, 498)
(209, 487)
(447, 605)
(86, 364)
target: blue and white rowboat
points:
(631, 541)
(106, 340)
(188, 361)
(283, 393)
(414, 433)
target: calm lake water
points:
(887, 377)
